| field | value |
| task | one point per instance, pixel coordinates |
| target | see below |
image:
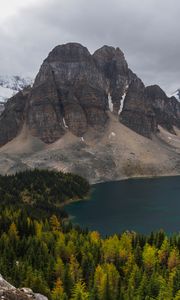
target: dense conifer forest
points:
(42, 191)
(41, 251)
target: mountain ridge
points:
(91, 104)
(76, 88)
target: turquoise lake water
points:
(141, 205)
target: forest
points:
(42, 191)
(64, 262)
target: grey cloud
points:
(147, 32)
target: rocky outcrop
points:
(9, 292)
(74, 91)
(146, 108)
(112, 64)
(167, 110)
(137, 114)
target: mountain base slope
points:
(113, 154)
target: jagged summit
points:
(82, 95)
(74, 90)
(108, 50)
(155, 91)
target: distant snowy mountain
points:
(176, 94)
(6, 93)
(10, 85)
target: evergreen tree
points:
(79, 292)
(100, 283)
(58, 291)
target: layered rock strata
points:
(74, 91)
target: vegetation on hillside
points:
(65, 262)
(42, 191)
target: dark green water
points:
(141, 205)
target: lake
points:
(141, 205)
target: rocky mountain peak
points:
(155, 92)
(70, 52)
(74, 90)
(67, 64)
(108, 52)
(111, 60)
(167, 110)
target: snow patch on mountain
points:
(122, 99)
(110, 103)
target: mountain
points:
(90, 114)
(11, 85)
(6, 93)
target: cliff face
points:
(68, 94)
(13, 117)
(74, 91)
(167, 110)
(138, 113)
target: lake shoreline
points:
(124, 178)
(68, 202)
(135, 204)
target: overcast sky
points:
(147, 31)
